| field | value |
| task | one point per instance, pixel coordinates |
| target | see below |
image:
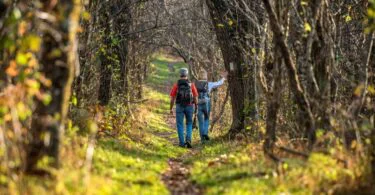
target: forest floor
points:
(150, 162)
(146, 159)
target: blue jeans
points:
(187, 112)
(204, 118)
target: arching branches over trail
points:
(301, 82)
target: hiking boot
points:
(188, 145)
(182, 146)
(206, 137)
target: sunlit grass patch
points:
(226, 167)
(234, 167)
(137, 164)
(133, 166)
(231, 167)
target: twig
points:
(221, 111)
(295, 152)
(136, 102)
(272, 156)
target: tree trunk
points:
(85, 53)
(234, 59)
(323, 58)
(105, 79)
(47, 124)
(273, 106)
(122, 28)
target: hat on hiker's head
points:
(184, 72)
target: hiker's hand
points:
(171, 112)
(224, 74)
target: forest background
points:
(84, 92)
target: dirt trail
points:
(176, 178)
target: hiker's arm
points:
(196, 103)
(173, 99)
(217, 84)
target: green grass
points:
(239, 167)
(231, 167)
(133, 167)
(228, 167)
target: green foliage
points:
(307, 27)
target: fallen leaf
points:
(12, 69)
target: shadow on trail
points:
(231, 178)
(111, 145)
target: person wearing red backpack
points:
(185, 95)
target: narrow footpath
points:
(176, 177)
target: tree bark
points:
(105, 79)
(273, 106)
(47, 126)
(234, 59)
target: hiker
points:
(185, 95)
(204, 104)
